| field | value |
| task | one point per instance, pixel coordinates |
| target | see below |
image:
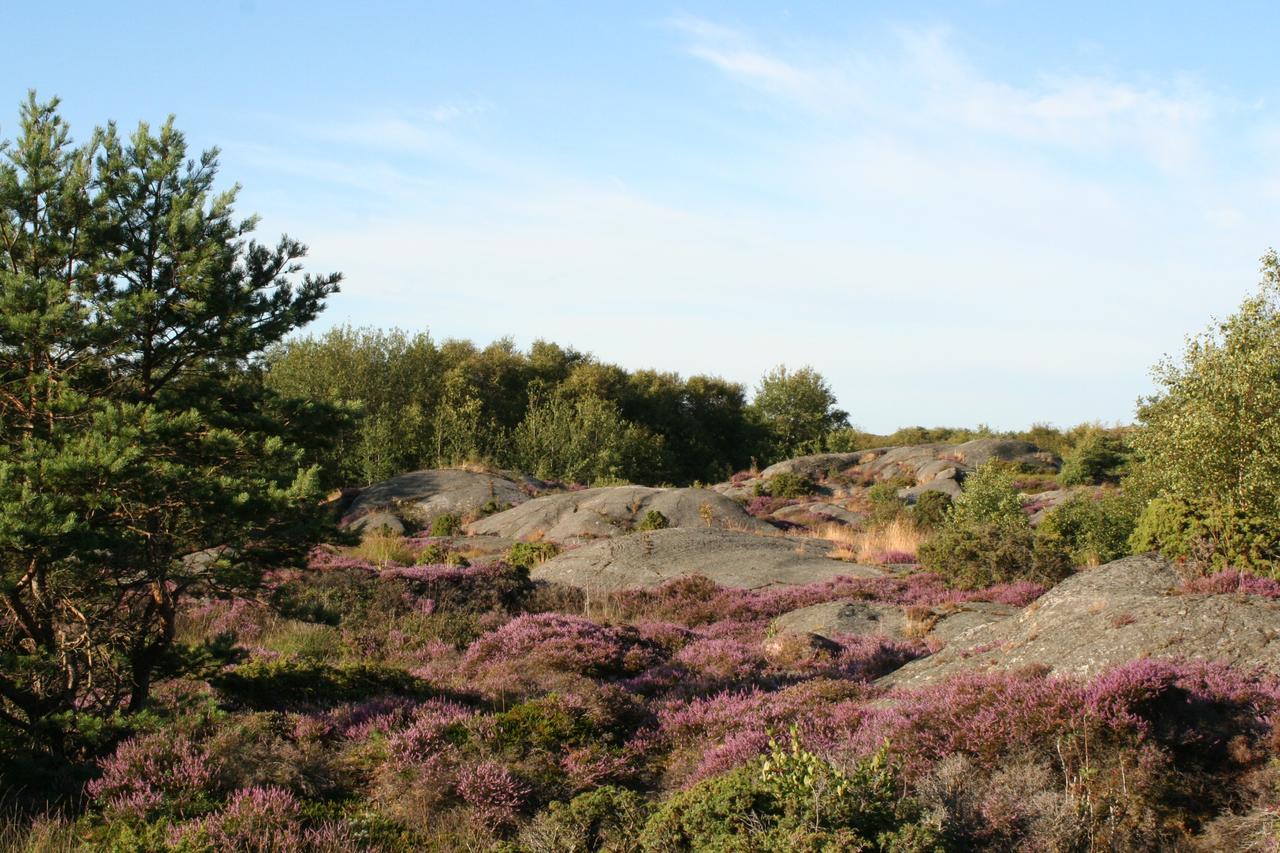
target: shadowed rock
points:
(944, 622)
(420, 496)
(728, 558)
(604, 512)
(1119, 612)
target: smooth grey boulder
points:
(419, 496)
(1119, 612)
(946, 622)
(729, 558)
(380, 520)
(615, 510)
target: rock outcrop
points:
(616, 510)
(944, 622)
(420, 496)
(729, 558)
(938, 467)
(1119, 612)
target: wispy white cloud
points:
(923, 81)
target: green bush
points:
(1100, 457)
(931, 509)
(976, 554)
(884, 500)
(1208, 535)
(654, 520)
(787, 485)
(439, 554)
(530, 554)
(1093, 530)
(790, 800)
(989, 496)
(285, 683)
(447, 524)
(607, 819)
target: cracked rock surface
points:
(1119, 612)
(729, 558)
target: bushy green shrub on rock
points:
(987, 538)
(1094, 530)
(791, 800)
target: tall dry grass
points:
(897, 540)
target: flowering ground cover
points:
(450, 706)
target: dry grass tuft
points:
(898, 538)
(382, 549)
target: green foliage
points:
(931, 509)
(987, 538)
(530, 554)
(788, 485)
(1094, 530)
(542, 724)
(884, 500)
(134, 428)
(1209, 437)
(286, 683)
(583, 440)
(446, 524)
(977, 554)
(791, 800)
(1208, 535)
(420, 404)
(989, 497)
(1099, 457)
(607, 819)
(798, 409)
(653, 520)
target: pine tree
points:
(141, 458)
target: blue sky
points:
(959, 213)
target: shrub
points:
(447, 524)
(989, 496)
(563, 643)
(493, 791)
(931, 509)
(1099, 457)
(1209, 536)
(529, 554)
(790, 800)
(1093, 530)
(608, 819)
(154, 774)
(973, 555)
(654, 520)
(787, 485)
(883, 497)
(281, 684)
(254, 819)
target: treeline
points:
(562, 414)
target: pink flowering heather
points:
(426, 737)
(152, 773)
(587, 767)
(380, 714)
(698, 601)
(722, 660)
(493, 791)
(1230, 580)
(241, 617)
(1177, 700)
(984, 715)
(254, 819)
(564, 643)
